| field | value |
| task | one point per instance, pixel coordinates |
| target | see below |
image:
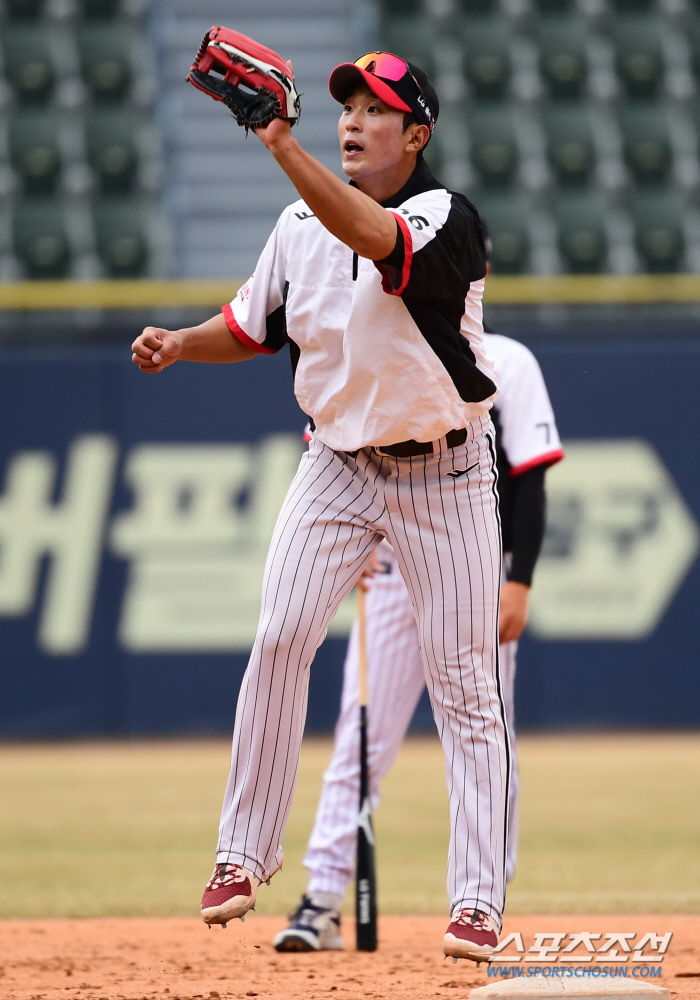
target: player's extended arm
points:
(353, 217)
(211, 341)
(527, 532)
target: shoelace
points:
(226, 875)
(304, 908)
(477, 919)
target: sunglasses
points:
(384, 65)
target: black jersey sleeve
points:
(527, 523)
(439, 248)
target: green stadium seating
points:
(412, 38)
(99, 9)
(633, 6)
(578, 122)
(694, 42)
(28, 68)
(646, 143)
(582, 239)
(639, 59)
(569, 143)
(494, 151)
(75, 153)
(105, 64)
(40, 238)
(121, 242)
(473, 8)
(554, 6)
(486, 57)
(111, 148)
(24, 10)
(505, 216)
(398, 7)
(658, 222)
(563, 63)
(34, 150)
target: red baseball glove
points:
(254, 82)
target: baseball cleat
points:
(230, 893)
(311, 928)
(472, 934)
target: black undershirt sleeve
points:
(527, 523)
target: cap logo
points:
(372, 66)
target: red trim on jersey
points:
(407, 258)
(240, 334)
(549, 458)
(407, 250)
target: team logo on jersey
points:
(457, 473)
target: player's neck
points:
(382, 185)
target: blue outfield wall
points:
(135, 512)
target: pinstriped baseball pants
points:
(395, 681)
(446, 536)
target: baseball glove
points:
(254, 82)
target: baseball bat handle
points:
(362, 647)
(366, 878)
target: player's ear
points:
(418, 136)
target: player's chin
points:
(354, 165)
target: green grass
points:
(609, 824)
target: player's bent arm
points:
(211, 341)
(351, 216)
(527, 533)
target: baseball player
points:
(527, 443)
(376, 286)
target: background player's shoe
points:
(229, 893)
(311, 928)
(472, 934)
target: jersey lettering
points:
(546, 431)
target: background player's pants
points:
(395, 681)
(446, 536)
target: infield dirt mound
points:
(178, 959)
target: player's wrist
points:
(281, 143)
(177, 344)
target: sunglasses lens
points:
(383, 64)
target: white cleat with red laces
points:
(472, 934)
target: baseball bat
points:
(365, 870)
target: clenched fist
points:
(155, 349)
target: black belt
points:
(407, 449)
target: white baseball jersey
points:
(528, 430)
(384, 351)
(527, 438)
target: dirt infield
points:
(178, 959)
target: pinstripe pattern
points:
(396, 679)
(509, 652)
(446, 537)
